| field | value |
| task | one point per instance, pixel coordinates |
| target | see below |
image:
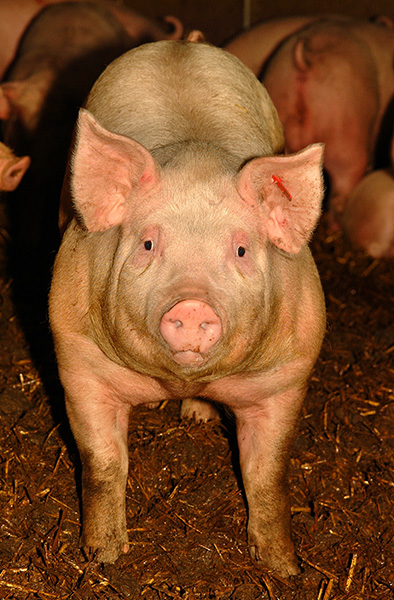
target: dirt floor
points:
(185, 507)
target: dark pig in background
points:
(331, 80)
(185, 274)
(61, 54)
(63, 48)
(15, 16)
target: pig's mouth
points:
(189, 358)
(190, 328)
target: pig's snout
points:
(190, 328)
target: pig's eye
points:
(241, 251)
(148, 245)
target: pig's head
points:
(185, 276)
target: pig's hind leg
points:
(199, 410)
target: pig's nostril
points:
(204, 325)
(178, 324)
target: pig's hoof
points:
(107, 555)
(200, 410)
(153, 405)
(284, 563)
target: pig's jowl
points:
(184, 272)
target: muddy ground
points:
(186, 513)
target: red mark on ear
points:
(277, 181)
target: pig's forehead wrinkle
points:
(211, 201)
(193, 221)
(186, 216)
(198, 196)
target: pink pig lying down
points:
(368, 220)
(185, 273)
(12, 168)
(331, 79)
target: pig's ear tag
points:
(106, 170)
(291, 189)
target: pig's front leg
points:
(100, 430)
(265, 433)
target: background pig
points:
(61, 54)
(368, 220)
(62, 37)
(185, 273)
(15, 15)
(316, 76)
(12, 168)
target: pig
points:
(12, 168)
(317, 70)
(368, 220)
(15, 16)
(62, 53)
(78, 36)
(184, 273)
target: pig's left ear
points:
(290, 191)
(107, 169)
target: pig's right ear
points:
(107, 169)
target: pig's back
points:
(169, 92)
